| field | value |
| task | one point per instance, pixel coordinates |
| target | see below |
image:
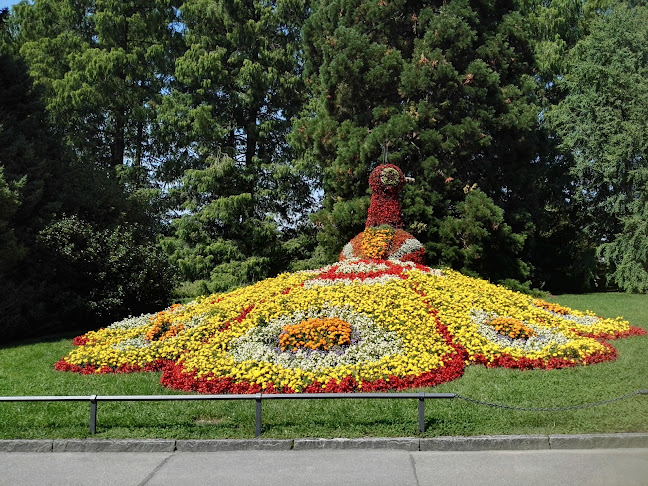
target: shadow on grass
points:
(49, 338)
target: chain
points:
(549, 409)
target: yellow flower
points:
(306, 328)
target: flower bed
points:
(357, 325)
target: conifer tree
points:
(561, 251)
(238, 87)
(443, 90)
(104, 65)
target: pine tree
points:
(238, 86)
(445, 90)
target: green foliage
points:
(238, 85)
(30, 172)
(628, 255)
(103, 65)
(447, 88)
(59, 272)
(557, 26)
(477, 240)
(12, 252)
(109, 272)
(602, 123)
(523, 287)
(564, 255)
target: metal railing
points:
(93, 400)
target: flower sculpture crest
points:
(376, 320)
(386, 182)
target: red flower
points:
(385, 181)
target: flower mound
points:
(357, 325)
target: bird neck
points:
(384, 208)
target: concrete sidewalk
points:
(595, 459)
(356, 467)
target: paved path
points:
(605, 467)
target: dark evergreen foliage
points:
(57, 271)
(447, 88)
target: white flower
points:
(325, 282)
(347, 251)
(360, 267)
(132, 322)
(410, 245)
(136, 342)
(582, 320)
(544, 338)
(261, 342)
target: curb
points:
(479, 443)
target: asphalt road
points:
(605, 467)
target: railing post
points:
(421, 412)
(93, 414)
(257, 425)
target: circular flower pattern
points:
(367, 342)
(318, 333)
(390, 176)
(532, 339)
(356, 325)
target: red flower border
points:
(175, 376)
(633, 331)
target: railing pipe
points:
(259, 397)
(257, 421)
(93, 414)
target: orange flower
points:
(316, 333)
(513, 328)
(555, 308)
(375, 242)
(163, 326)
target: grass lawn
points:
(28, 369)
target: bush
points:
(106, 273)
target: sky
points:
(7, 3)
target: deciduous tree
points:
(602, 122)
